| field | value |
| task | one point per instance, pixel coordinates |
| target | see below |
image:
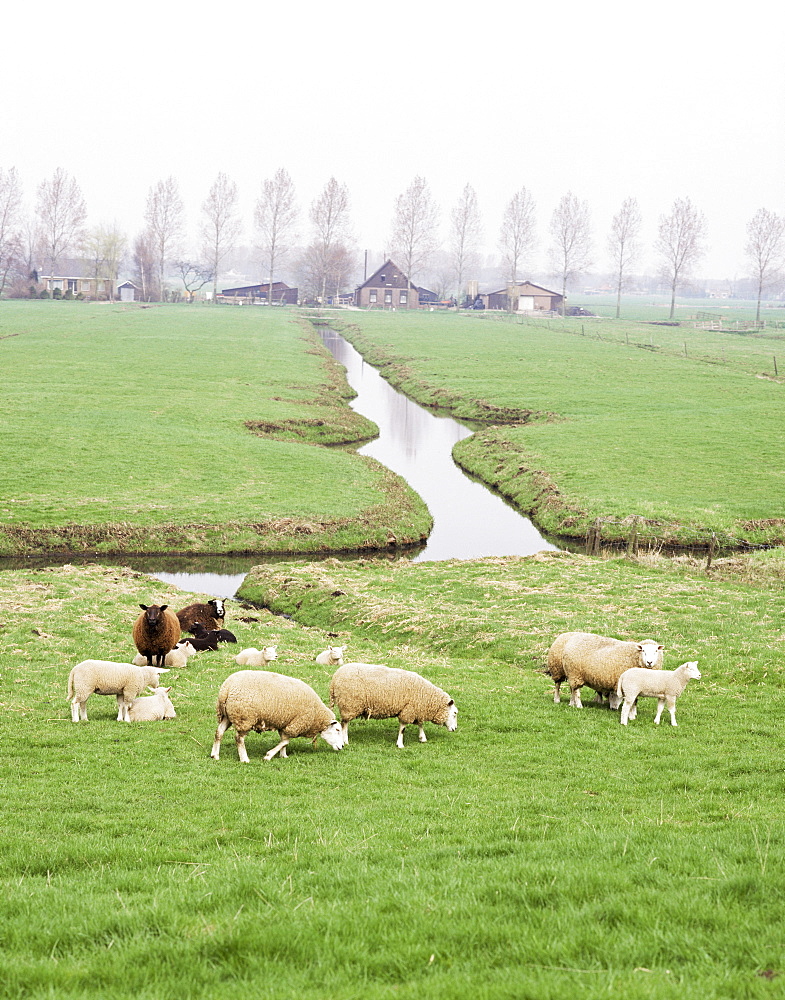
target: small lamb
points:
(373, 691)
(260, 700)
(153, 708)
(665, 685)
(107, 677)
(253, 657)
(331, 657)
(597, 661)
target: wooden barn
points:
(258, 294)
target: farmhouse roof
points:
(389, 275)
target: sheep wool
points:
(260, 700)
(664, 685)
(153, 707)
(211, 615)
(373, 691)
(597, 661)
(107, 677)
(253, 657)
(156, 632)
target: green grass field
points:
(621, 422)
(538, 852)
(126, 429)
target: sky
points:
(606, 100)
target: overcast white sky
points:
(606, 99)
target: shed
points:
(523, 296)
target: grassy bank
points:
(537, 852)
(604, 420)
(183, 429)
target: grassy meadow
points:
(538, 852)
(604, 419)
(183, 429)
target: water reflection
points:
(470, 521)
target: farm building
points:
(387, 288)
(523, 296)
(282, 294)
(128, 291)
(93, 288)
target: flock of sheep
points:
(260, 700)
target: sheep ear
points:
(660, 647)
(143, 607)
(164, 607)
(450, 703)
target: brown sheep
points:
(211, 615)
(156, 632)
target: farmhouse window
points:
(85, 286)
(404, 298)
(388, 296)
(372, 295)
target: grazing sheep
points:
(331, 657)
(597, 661)
(256, 657)
(665, 685)
(107, 677)
(153, 707)
(177, 657)
(260, 700)
(373, 691)
(156, 632)
(211, 615)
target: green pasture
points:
(538, 852)
(679, 427)
(134, 429)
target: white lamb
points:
(597, 661)
(256, 657)
(260, 700)
(153, 707)
(374, 691)
(124, 680)
(177, 657)
(331, 657)
(665, 685)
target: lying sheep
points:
(124, 680)
(156, 632)
(331, 657)
(260, 700)
(211, 615)
(177, 657)
(665, 685)
(203, 638)
(377, 692)
(153, 707)
(597, 661)
(256, 657)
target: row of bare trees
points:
(326, 260)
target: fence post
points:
(775, 365)
(632, 541)
(712, 550)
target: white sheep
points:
(374, 691)
(253, 657)
(597, 661)
(665, 685)
(153, 707)
(124, 680)
(331, 657)
(177, 657)
(260, 700)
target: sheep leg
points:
(281, 747)
(670, 699)
(345, 732)
(421, 735)
(399, 741)
(120, 708)
(78, 710)
(634, 710)
(239, 739)
(557, 693)
(625, 713)
(575, 698)
(660, 706)
(223, 725)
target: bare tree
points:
(105, 247)
(680, 243)
(517, 236)
(465, 236)
(61, 213)
(194, 276)
(165, 228)
(276, 217)
(765, 250)
(221, 227)
(624, 245)
(572, 241)
(330, 221)
(10, 233)
(145, 267)
(414, 236)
